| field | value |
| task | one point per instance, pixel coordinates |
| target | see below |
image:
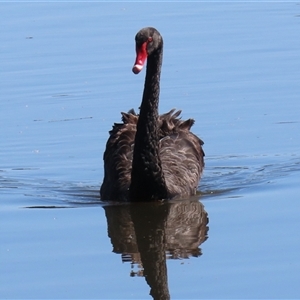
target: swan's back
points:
(180, 152)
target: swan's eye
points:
(150, 39)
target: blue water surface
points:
(65, 78)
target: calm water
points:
(65, 77)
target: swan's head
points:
(147, 40)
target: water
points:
(66, 75)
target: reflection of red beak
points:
(141, 56)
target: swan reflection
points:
(146, 234)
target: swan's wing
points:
(181, 155)
(182, 162)
(118, 159)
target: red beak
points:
(141, 56)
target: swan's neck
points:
(147, 178)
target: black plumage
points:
(150, 157)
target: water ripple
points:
(229, 176)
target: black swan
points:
(150, 157)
